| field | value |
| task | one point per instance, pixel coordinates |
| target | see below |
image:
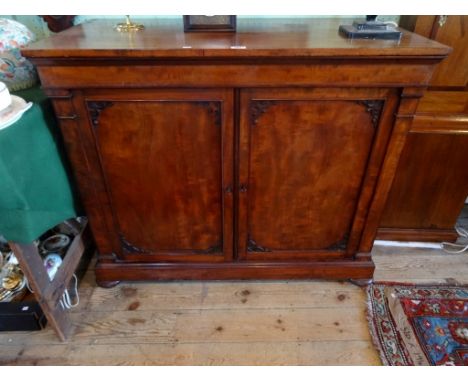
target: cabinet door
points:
(166, 161)
(304, 154)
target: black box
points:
(350, 31)
(21, 315)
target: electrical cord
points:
(66, 301)
(27, 285)
(389, 23)
(392, 23)
(457, 247)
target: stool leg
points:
(31, 264)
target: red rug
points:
(419, 325)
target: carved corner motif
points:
(339, 245)
(258, 108)
(95, 108)
(214, 108)
(374, 108)
(129, 247)
(252, 246)
(213, 249)
(114, 256)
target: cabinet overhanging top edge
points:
(281, 38)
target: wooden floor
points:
(228, 323)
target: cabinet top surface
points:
(254, 38)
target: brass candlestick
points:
(128, 26)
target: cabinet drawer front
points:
(162, 159)
(303, 160)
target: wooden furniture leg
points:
(31, 264)
(361, 282)
(49, 293)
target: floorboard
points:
(228, 323)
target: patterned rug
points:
(419, 325)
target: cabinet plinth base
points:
(341, 270)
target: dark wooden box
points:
(22, 315)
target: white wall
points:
(39, 27)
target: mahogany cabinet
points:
(267, 153)
(431, 183)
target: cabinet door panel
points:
(162, 158)
(302, 165)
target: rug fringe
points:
(372, 329)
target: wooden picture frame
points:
(200, 23)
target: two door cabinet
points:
(267, 153)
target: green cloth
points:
(35, 191)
